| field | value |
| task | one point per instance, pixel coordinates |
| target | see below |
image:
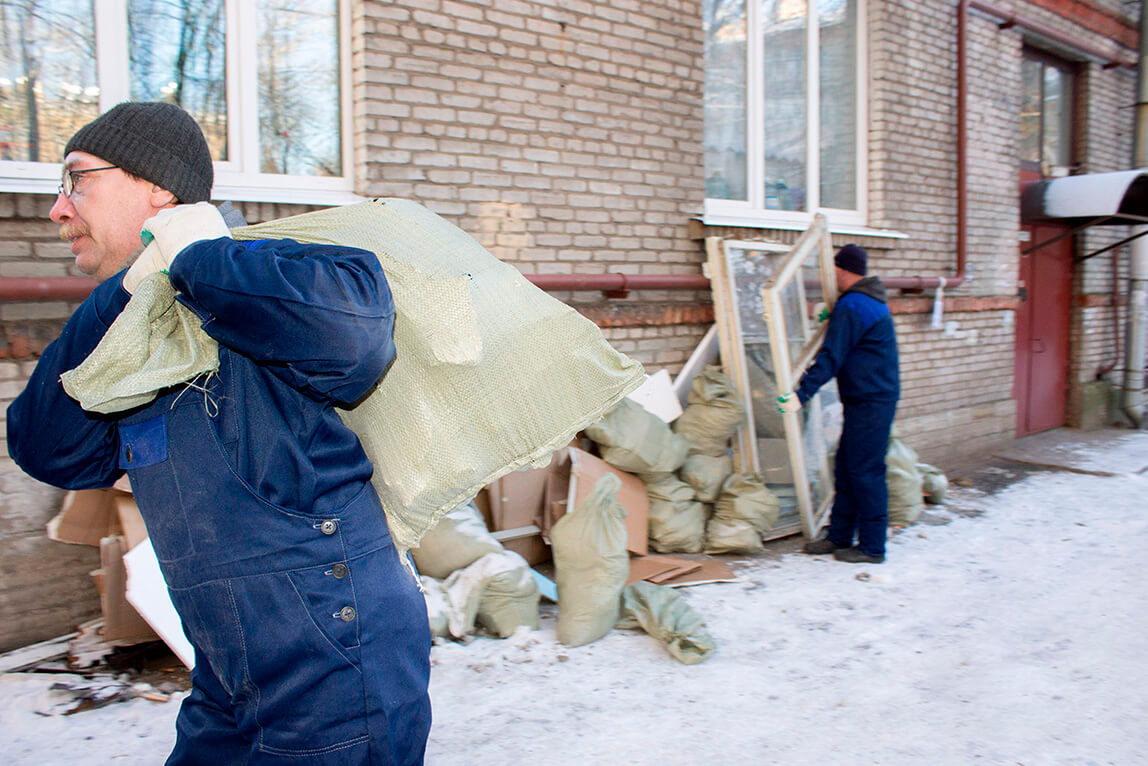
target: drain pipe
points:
(1133, 397)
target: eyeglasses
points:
(70, 177)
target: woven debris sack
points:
(492, 374)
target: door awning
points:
(1093, 199)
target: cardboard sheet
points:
(573, 475)
(121, 621)
(711, 571)
(515, 501)
(657, 568)
(86, 517)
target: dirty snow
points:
(1009, 628)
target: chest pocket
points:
(143, 444)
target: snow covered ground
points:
(1005, 628)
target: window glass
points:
(48, 87)
(1057, 117)
(178, 54)
(784, 122)
(725, 108)
(1030, 111)
(838, 107)
(299, 104)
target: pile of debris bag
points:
(468, 578)
(606, 514)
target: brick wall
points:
(566, 136)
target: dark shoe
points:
(856, 556)
(821, 547)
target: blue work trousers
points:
(861, 500)
(311, 638)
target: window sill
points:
(844, 229)
(221, 192)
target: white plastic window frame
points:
(752, 212)
(235, 179)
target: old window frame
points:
(729, 300)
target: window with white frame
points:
(267, 80)
(784, 111)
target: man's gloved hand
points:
(821, 312)
(174, 228)
(148, 262)
(788, 403)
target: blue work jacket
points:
(860, 348)
(300, 329)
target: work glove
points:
(787, 403)
(174, 228)
(821, 312)
(148, 262)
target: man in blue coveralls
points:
(311, 638)
(860, 349)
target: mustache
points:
(71, 231)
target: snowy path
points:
(1011, 629)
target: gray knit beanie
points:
(155, 141)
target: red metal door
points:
(1042, 330)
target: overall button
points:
(128, 453)
(339, 570)
(329, 526)
(346, 614)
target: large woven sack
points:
(492, 374)
(438, 607)
(635, 440)
(677, 521)
(661, 612)
(510, 599)
(591, 564)
(904, 480)
(934, 483)
(744, 511)
(706, 474)
(154, 343)
(458, 540)
(497, 591)
(712, 414)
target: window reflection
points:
(1046, 113)
(178, 54)
(725, 99)
(1030, 111)
(48, 87)
(784, 121)
(838, 107)
(299, 97)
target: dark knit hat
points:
(155, 141)
(853, 259)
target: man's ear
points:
(161, 197)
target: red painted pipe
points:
(619, 282)
(46, 288)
